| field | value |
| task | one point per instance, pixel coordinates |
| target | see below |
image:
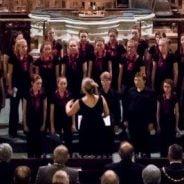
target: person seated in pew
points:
(22, 175)
(128, 171)
(60, 157)
(174, 173)
(151, 174)
(60, 177)
(6, 169)
(109, 177)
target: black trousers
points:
(14, 114)
(34, 144)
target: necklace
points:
(170, 178)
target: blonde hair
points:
(89, 86)
(18, 44)
(105, 75)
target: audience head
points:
(22, 175)
(73, 47)
(139, 80)
(6, 152)
(60, 177)
(109, 177)
(61, 154)
(36, 82)
(126, 150)
(113, 34)
(89, 86)
(151, 175)
(175, 152)
(21, 47)
(168, 86)
(83, 35)
(106, 79)
(62, 83)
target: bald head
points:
(109, 177)
(126, 150)
(61, 154)
(60, 177)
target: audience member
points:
(174, 173)
(151, 175)
(60, 157)
(6, 170)
(128, 171)
(109, 177)
(22, 175)
(60, 177)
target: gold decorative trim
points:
(170, 178)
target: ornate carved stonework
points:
(28, 5)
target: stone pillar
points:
(130, 4)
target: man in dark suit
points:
(128, 171)
(61, 156)
(174, 173)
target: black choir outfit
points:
(56, 48)
(47, 71)
(100, 65)
(74, 73)
(113, 102)
(115, 54)
(34, 121)
(164, 69)
(20, 84)
(61, 120)
(131, 65)
(142, 46)
(179, 54)
(86, 51)
(2, 88)
(139, 111)
(92, 133)
(167, 122)
(153, 52)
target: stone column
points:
(130, 4)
